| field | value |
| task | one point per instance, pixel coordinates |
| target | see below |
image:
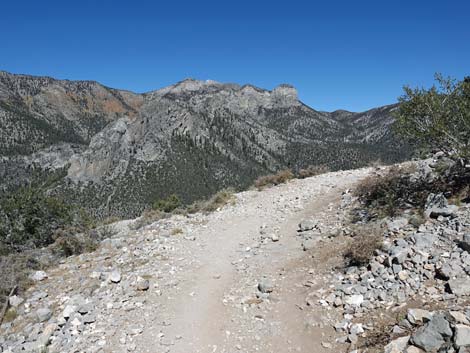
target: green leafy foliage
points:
(169, 204)
(437, 118)
(29, 219)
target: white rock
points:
(416, 316)
(459, 317)
(462, 335)
(356, 329)
(115, 277)
(355, 300)
(38, 276)
(68, 311)
(15, 301)
(397, 346)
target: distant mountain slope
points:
(118, 151)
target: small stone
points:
(352, 338)
(115, 277)
(76, 322)
(459, 317)
(68, 311)
(327, 345)
(135, 330)
(38, 276)
(143, 284)
(355, 300)
(416, 316)
(43, 314)
(275, 237)
(15, 301)
(308, 244)
(413, 349)
(85, 308)
(462, 335)
(403, 275)
(356, 329)
(265, 286)
(397, 346)
(88, 318)
(306, 225)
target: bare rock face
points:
(118, 151)
(285, 95)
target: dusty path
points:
(203, 274)
(209, 312)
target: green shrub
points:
(29, 218)
(437, 118)
(167, 205)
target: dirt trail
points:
(209, 311)
(203, 275)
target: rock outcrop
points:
(119, 151)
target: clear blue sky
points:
(339, 54)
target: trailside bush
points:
(280, 177)
(169, 204)
(437, 118)
(29, 218)
(401, 187)
(313, 170)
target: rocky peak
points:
(285, 94)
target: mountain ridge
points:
(119, 150)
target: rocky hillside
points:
(117, 151)
(269, 272)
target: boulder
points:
(431, 336)
(436, 205)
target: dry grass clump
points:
(280, 177)
(313, 170)
(389, 193)
(14, 271)
(149, 217)
(220, 199)
(176, 231)
(75, 244)
(364, 245)
(402, 187)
